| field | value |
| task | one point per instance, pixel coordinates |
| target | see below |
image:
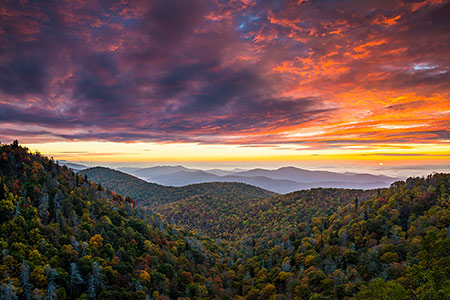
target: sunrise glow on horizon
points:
(311, 83)
(419, 161)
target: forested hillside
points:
(153, 195)
(145, 192)
(396, 245)
(233, 218)
(63, 237)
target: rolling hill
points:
(307, 176)
(281, 186)
(283, 180)
(157, 171)
(74, 166)
(152, 195)
(233, 218)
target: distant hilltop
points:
(283, 180)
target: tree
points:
(379, 289)
(7, 292)
(43, 208)
(97, 276)
(96, 241)
(92, 294)
(268, 291)
(2, 188)
(25, 281)
(7, 206)
(51, 287)
(96, 280)
(75, 278)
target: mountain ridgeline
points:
(153, 195)
(63, 236)
(282, 180)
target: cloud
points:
(225, 71)
(33, 115)
(22, 75)
(407, 105)
(404, 154)
(169, 22)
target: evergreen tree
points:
(96, 280)
(75, 278)
(7, 292)
(92, 294)
(43, 209)
(51, 287)
(25, 281)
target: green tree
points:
(379, 289)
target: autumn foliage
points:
(65, 237)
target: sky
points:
(349, 83)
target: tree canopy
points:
(65, 237)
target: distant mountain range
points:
(73, 166)
(153, 195)
(283, 180)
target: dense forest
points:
(65, 237)
(232, 218)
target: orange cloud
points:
(417, 5)
(382, 20)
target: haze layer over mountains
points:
(282, 180)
